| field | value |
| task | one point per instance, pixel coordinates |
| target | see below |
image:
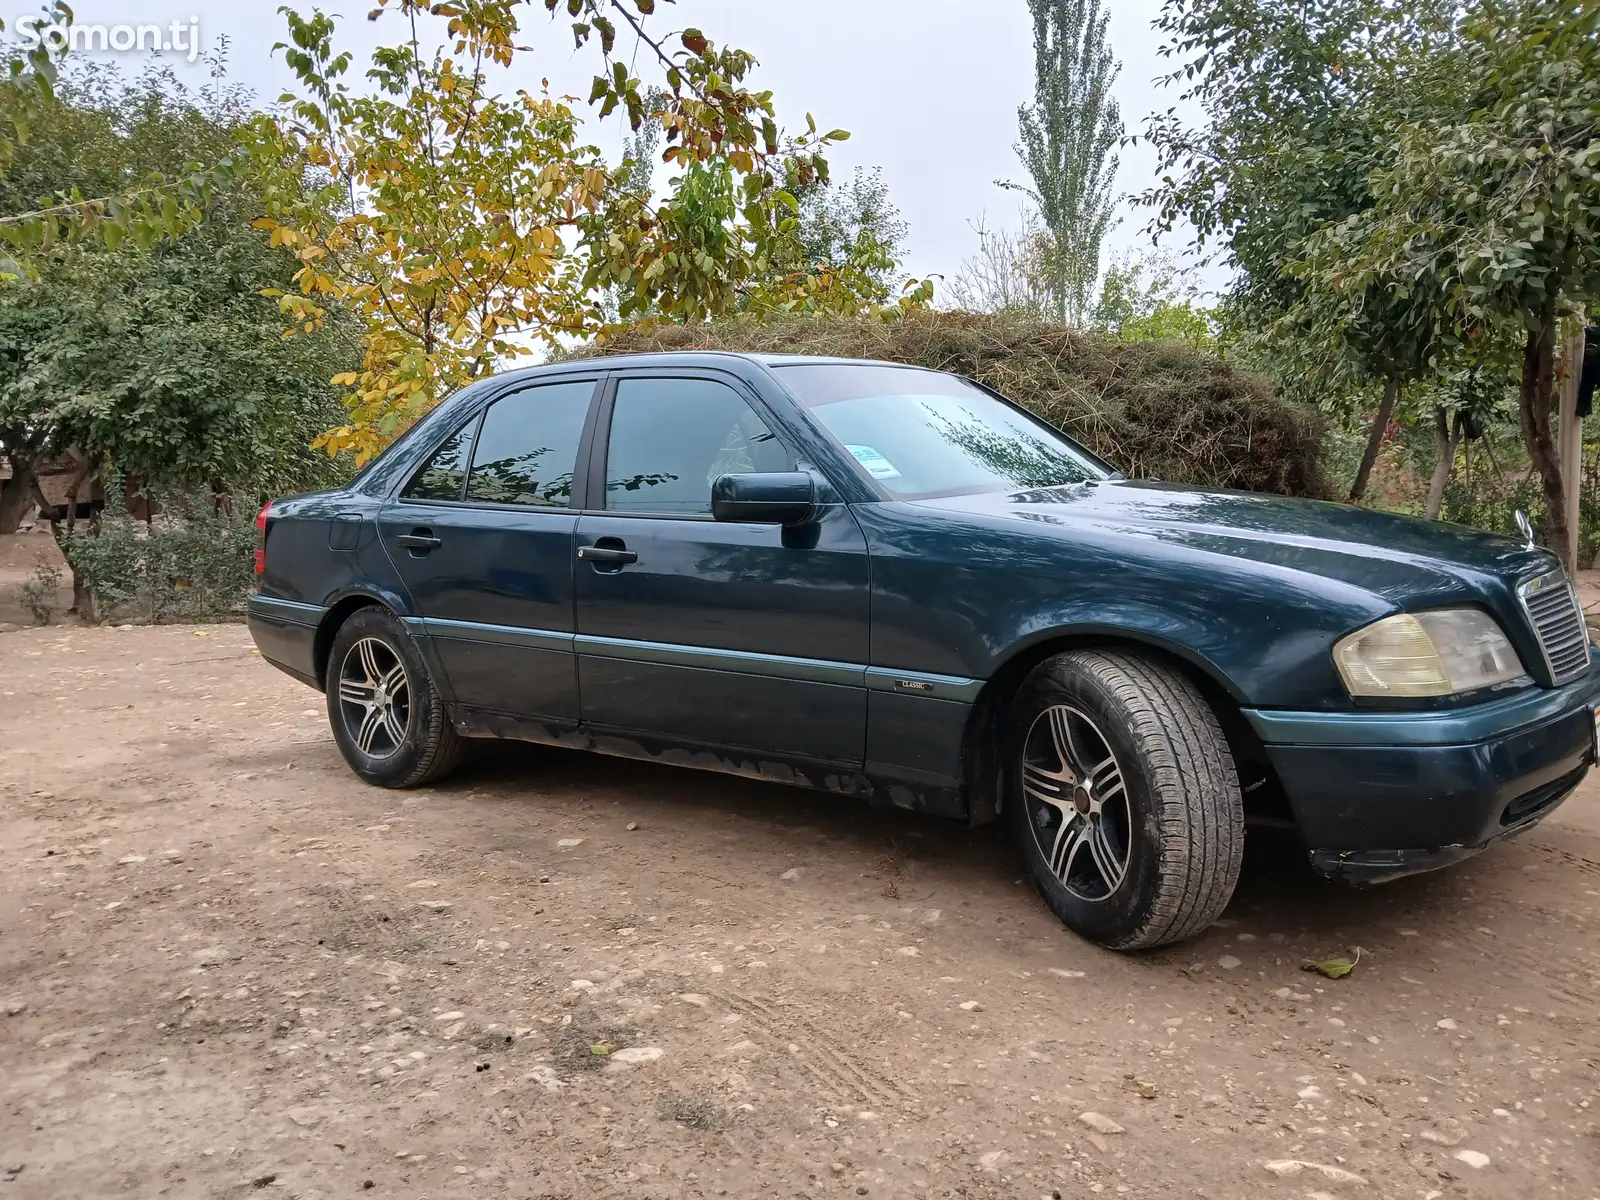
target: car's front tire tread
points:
(1196, 786)
(1193, 792)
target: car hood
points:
(1406, 560)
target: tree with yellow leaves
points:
(465, 227)
(434, 210)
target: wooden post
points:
(1571, 435)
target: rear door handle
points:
(419, 539)
(607, 554)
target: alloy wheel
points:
(1077, 802)
(374, 697)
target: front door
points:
(702, 632)
(483, 537)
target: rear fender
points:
(341, 605)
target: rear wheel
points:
(1124, 798)
(388, 719)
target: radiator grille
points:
(1553, 609)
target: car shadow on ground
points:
(710, 799)
(1277, 889)
(1277, 879)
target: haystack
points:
(1154, 409)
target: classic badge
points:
(1526, 526)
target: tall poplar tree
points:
(1065, 140)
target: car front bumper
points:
(1378, 795)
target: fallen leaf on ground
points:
(1291, 1168)
(1334, 968)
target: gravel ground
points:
(227, 965)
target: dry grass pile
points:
(1153, 409)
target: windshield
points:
(922, 433)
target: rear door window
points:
(527, 451)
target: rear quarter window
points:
(442, 476)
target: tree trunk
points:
(1380, 426)
(82, 594)
(1445, 439)
(1488, 448)
(1533, 405)
(16, 494)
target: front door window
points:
(672, 438)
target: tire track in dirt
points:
(836, 1070)
(1574, 1002)
(1571, 859)
(1537, 946)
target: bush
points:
(195, 562)
(39, 593)
(1154, 409)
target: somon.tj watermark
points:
(178, 37)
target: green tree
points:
(27, 81)
(641, 149)
(854, 219)
(429, 207)
(1495, 205)
(1143, 299)
(1471, 394)
(635, 173)
(165, 365)
(1066, 139)
(1302, 99)
(145, 206)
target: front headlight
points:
(1434, 653)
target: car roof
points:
(791, 360)
(662, 358)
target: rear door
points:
(703, 632)
(482, 535)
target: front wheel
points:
(1124, 798)
(387, 717)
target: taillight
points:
(261, 538)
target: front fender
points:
(1123, 628)
(961, 594)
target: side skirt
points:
(804, 773)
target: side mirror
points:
(766, 498)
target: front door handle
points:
(419, 539)
(607, 554)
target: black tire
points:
(1177, 821)
(415, 744)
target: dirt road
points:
(226, 965)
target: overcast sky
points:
(929, 89)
